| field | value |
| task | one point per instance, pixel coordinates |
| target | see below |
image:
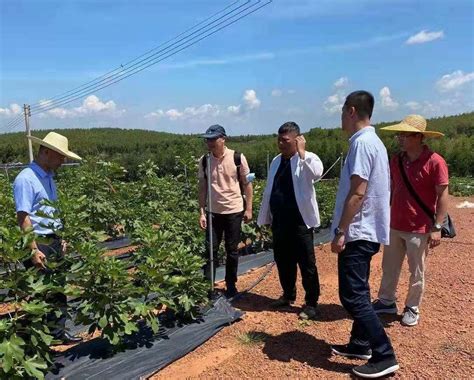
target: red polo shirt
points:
(425, 173)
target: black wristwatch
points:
(436, 227)
(338, 231)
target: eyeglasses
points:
(405, 135)
(211, 140)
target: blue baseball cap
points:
(214, 131)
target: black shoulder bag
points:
(447, 227)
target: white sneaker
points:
(410, 316)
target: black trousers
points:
(354, 293)
(52, 252)
(294, 246)
(229, 227)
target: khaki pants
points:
(414, 246)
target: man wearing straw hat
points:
(32, 186)
(411, 229)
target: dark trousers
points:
(229, 227)
(52, 252)
(354, 293)
(294, 246)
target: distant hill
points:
(130, 147)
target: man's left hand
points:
(338, 244)
(434, 239)
(247, 216)
(301, 146)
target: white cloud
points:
(333, 104)
(277, 92)
(13, 110)
(341, 82)
(291, 92)
(91, 105)
(386, 99)
(423, 37)
(200, 112)
(414, 106)
(234, 110)
(262, 56)
(453, 81)
(250, 102)
(250, 99)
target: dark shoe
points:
(374, 370)
(309, 312)
(67, 338)
(351, 351)
(382, 308)
(281, 302)
(231, 291)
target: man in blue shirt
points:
(32, 186)
(360, 224)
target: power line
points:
(153, 59)
(140, 63)
(123, 66)
(12, 126)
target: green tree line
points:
(131, 147)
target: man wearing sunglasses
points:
(229, 185)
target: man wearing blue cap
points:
(228, 183)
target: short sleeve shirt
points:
(30, 188)
(226, 196)
(425, 173)
(366, 158)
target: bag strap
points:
(412, 191)
(237, 162)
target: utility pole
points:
(27, 112)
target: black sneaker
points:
(382, 308)
(372, 370)
(352, 351)
(281, 302)
(231, 291)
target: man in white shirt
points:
(289, 205)
(360, 224)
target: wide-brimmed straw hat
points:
(56, 142)
(412, 123)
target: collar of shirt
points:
(226, 151)
(40, 171)
(360, 132)
(422, 157)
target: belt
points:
(47, 239)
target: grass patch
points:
(252, 337)
(461, 186)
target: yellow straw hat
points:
(412, 123)
(56, 142)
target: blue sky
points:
(291, 60)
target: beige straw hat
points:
(56, 142)
(412, 123)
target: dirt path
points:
(440, 347)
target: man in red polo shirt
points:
(412, 231)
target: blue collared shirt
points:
(368, 159)
(31, 187)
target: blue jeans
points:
(354, 293)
